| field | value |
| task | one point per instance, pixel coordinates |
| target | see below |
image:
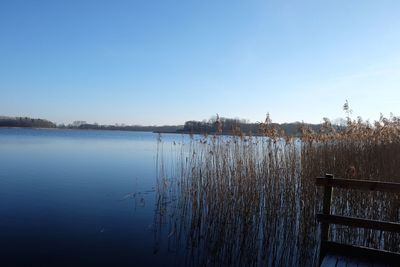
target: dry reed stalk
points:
(251, 201)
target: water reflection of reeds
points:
(251, 201)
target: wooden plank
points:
(329, 261)
(360, 223)
(342, 262)
(332, 260)
(358, 184)
(351, 262)
(374, 255)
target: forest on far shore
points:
(221, 125)
(25, 122)
(229, 126)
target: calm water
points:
(71, 197)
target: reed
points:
(251, 201)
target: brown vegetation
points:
(251, 201)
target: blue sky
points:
(165, 62)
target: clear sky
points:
(165, 62)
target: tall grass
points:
(360, 151)
(251, 201)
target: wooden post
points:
(326, 209)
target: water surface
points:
(76, 197)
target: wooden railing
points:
(326, 219)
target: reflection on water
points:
(78, 198)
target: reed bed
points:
(359, 151)
(251, 201)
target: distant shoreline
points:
(120, 130)
(80, 129)
(225, 126)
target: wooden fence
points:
(326, 219)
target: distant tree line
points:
(214, 125)
(41, 123)
(25, 122)
(234, 126)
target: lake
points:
(76, 197)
